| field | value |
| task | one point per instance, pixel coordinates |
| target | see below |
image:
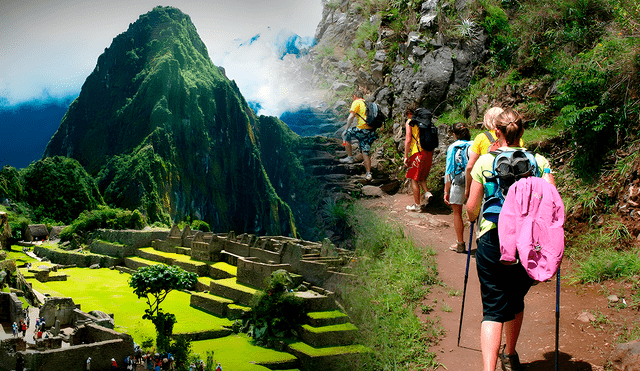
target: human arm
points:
(447, 189)
(407, 143)
(473, 157)
(474, 201)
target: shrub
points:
(275, 312)
(200, 225)
(102, 217)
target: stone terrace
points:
(231, 269)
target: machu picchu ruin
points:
(231, 269)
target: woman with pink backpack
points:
(503, 284)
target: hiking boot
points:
(413, 207)
(458, 247)
(368, 176)
(510, 362)
(347, 160)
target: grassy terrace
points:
(235, 352)
(108, 290)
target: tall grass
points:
(393, 274)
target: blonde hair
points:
(490, 117)
(510, 125)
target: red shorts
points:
(420, 165)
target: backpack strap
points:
(490, 137)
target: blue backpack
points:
(460, 160)
(508, 167)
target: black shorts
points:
(503, 287)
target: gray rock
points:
(377, 70)
(613, 298)
(95, 266)
(361, 53)
(626, 357)
(380, 56)
(428, 14)
(345, 65)
(340, 86)
(372, 191)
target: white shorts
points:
(456, 195)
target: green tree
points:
(154, 283)
(60, 189)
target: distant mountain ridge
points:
(27, 128)
(165, 131)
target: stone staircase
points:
(321, 157)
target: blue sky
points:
(48, 48)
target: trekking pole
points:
(466, 277)
(557, 317)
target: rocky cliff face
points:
(165, 131)
(400, 56)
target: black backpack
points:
(428, 133)
(373, 115)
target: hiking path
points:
(583, 344)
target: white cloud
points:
(50, 47)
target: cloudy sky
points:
(48, 48)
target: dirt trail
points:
(582, 346)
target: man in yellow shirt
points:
(361, 131)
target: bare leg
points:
(458, 225)
(415, 188)
(490, 337)
(348, 148)
(367, 161)
(511, 333)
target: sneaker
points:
(347, 160)
(510, 362)
(413, 207)
(458, 247)
(368, 176)
(427, 198)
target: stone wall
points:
(255, 273)
(10, 307)
(111, 249)
(132, 238)
(61, 309)
(75, 357)
(76, 258)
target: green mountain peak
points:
(165, 131)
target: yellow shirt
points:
(415, 138)
(481, 143)
(360, 109)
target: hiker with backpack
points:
(484, 142)
(454, 180)
(418, 153)
(364, 133)
(503, 284)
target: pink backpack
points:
(531, 227)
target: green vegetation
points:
(154, 283)
(102, 217)
(275, 312)
(393, 276)
(60, 189)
